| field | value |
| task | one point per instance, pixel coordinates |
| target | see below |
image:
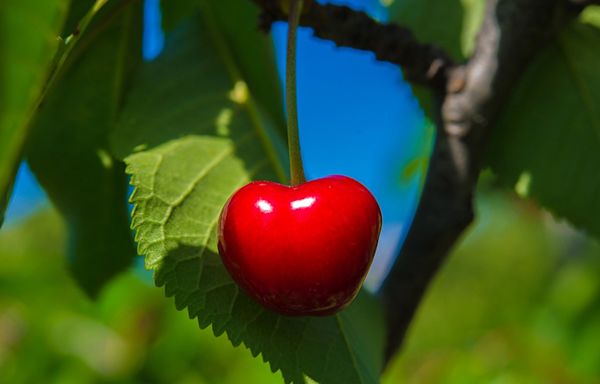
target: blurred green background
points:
(517, 302)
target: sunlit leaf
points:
(251, 50)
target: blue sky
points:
(357, 117)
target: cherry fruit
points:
(300, 250)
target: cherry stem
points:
(296, 166)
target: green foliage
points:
(432, 22)
(416, 167)
(197, 135)
(68, 147)
(450, 24)
(548, 137)
(248, 55)
(28, 30)
(517, 302)
(238, 30)
(51, 333)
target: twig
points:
(422, 64)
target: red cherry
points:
(301, 250)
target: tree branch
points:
(512, 32)
(422, 64)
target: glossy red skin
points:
(302, 250)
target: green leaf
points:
(253, 51)
(449, 24)
(419, 153)
(197, 137)
(432, 21)
(28, 40)
(68, 147)
(174, 12)
(547, 141)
